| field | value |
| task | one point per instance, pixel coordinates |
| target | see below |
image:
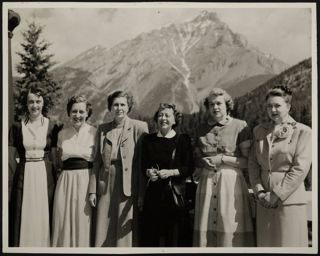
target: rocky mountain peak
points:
(178, 63)
(207, 16)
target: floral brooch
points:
(285, 130)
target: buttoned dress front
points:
(222, 211)
(281, 165)
(72, 210)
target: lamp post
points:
(13, 22)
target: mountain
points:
(251, 106)
(248, 85)
(179, 63)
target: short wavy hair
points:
(79, 99)
(177, 115)
(40, 93)
(220, 92)
(118, 94)
(281, 91)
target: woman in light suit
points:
(279, 161)
(116, 183)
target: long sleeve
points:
(141, 180)
(12, 157)
(144, 157)
(54, 152)
(184, 159)
(300, 166)
(197, 153)
(97, 163)
(254, 170)
(12, 166)
(244, 140)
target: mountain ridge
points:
(178, 63)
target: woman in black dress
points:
(162, 220)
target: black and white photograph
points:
(160, 127)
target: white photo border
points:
(136, 250)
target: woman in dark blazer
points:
(116, 180)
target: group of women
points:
(122, 177)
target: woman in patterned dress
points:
(72, 210)
(222, 211)
(33, 139)
(279, 161)
(116, 186)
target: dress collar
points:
(289, 120)
(224, 122)
(82, 128)
(26, 119)
(169, 135)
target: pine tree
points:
(34, 69)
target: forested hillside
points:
(251, 106)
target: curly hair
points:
(38, 92)
(177, 115)
(118, 94)
(281, 91)
(220, 92)
(79, 99)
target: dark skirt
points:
(163, 224)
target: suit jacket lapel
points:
(268, 131)
(105, 135)
(126, 130)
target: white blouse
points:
(77, 144)
(35, 137)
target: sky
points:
(283, 32)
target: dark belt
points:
(32, 159)
(76, 163)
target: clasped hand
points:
(155, 174)
(212, 162)
(268, 199)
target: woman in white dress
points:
(222, 211)
(33, 139)
(72, 210)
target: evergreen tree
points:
(34, 69)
